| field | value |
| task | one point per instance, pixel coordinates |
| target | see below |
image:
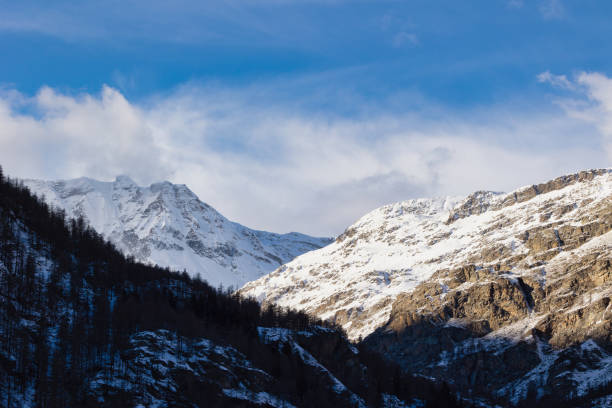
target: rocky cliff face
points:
(167, 225)
(546, 331)
(504, 295)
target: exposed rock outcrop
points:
(498, 294)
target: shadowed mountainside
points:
(83, 326)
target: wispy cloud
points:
(559, 81)
(590, 101)
(186, 21)
(599, 93)
(273, 165)
(552, 9)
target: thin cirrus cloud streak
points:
(305, 25)
(277, 168)
(189, 22)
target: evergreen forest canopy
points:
(70, 302)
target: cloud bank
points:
(272, 165)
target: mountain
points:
(166, 224)
(81, 325)
(504, 296)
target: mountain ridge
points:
(409, 239)
(167, 224)
(513, 291)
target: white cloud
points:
(591, 101)
(270, 165)
(64, 136)
(599, 92)
(552, 9)
(559, 81)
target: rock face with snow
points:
(164, 369)
(504, 295)
(167, 225)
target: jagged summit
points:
(167, 224)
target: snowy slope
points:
(393, 249)
(166, 224)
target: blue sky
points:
(311, 111)
(456, 52)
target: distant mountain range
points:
(166, 224)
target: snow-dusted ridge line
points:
(166, 224)
(394, 248)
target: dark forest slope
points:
(81, 325)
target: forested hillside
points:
(82, 325)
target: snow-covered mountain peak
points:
(395, 248)
(168, 225)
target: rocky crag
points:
(506, 296)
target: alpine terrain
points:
(167, 225)
(81, 325)
(507, 297)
